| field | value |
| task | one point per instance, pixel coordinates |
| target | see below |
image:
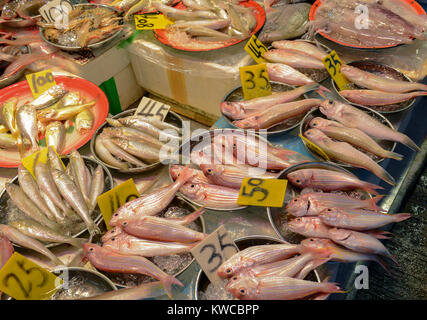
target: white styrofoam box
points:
(198, 79)
(127, 87)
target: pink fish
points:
(211, 195)
(379, 98)
(301, 46)
(6, 251)
(329, 180)
(198, 176)
(309, 227)
(293, 58)
(22, 61)
(283, 73)
(110, 261)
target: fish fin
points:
(311, 87)
(321, 91)
(185, 175)
(331, 287)
(401, 216)
(322, 296)
(370, 187)
(193, 216)
(409, 143)
(393, 258)
(395, 156)
(387, 177)
(382, 263)
(379, 234)
(167, 282)
(372, 203)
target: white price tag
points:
(152, 108)
(57, 12)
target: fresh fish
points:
(71, 98)
(79, 169)
(355, 118)
(97, 187)
(406, 11)
(372, 81)
(7, 141)
(309, 227)
(211, 23)
(26, 121)
(152, 203)
(359, 219)
(138, 149)
(232, 176)
(274, 287)
(205, 32)
(59, 216)
(25, 59)
(310, 266)
(104, 154)
(359, 242)
(84, 121)
(55, 135)
(329, 180)
(161, 229)
(21, 239)
(106, 260)
(293, 58)
(64, 113)
(8, 115)
(242, 109)
(302, 46)
(379, 98)
(311, 204)
(49, 97)
(211, 195)
(140, 123)
(140, 292)
(342, 151)
(37, 231)
(257, 255)
(175, 14)
(277, 114)
(115, 150)
(133, 134)
(283, 73)
(55, 163)
(3, 129)
(130, 245)
(338, 253)
(353, 136)
(163, 125)
(27, 206)
(198, 176)
(74, 198)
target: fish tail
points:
(408, 142)
(382, 263)
(384, 175)
(310, 87)
(332, 287)
(167, 282)
(392, 258)
(379, 234)
(193, 216)
(185, 175)
(372, 203)
(401, 217)
(321, 91)
(394, 155)
(370, 187)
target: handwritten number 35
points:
(252, 77)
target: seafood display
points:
(390, 22)
(20, 13)
(88, 25)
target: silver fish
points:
(80, 173)
(55, 135)
(7, 141)
(138, 149)
(104, 154)
(97, 186)
(119, 152)
(49, 97)
(26, 120)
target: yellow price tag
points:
(23, 279)
(315, 148)
(151, 21)
(255, 48)
(110, 201)
(262, 192)
(333, 64)
(31, 161)
(255, 81)
(40, 82)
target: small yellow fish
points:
(84, 121)
(65, 113)
(8, 114)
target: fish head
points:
(298, 206)
(113, 243)
(330, 215)
(90, 249)
(303, 224)
(118, 216)
(318, 122)
(193, 191)
(111, 233)
(232, 110)
(329, 108)
(315, 244)
(314, 135)
(339, 234)
(300, 178)
(212, 169)
(175, 171)
(243, 288)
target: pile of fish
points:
(21, 125)
(20, 9)
(324, 211)
(351, 127)
(276, 272)
(133, 6)
(209, 21)
(86, 25)
(139, 233)
(376, 91)
(225, 162)
(136, 141)
(295, 63)
(268, 112)
(375, 24)
(9, 54)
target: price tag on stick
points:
(315, 148)
(255, 48)
(30, 161)
(255, 81)
(23, 279)
(152, 108)
(262, 192)
(40, 82)
(110, 201)
(57, 12)
(151, 21)
(333, 64)
(212, 252)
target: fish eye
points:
(330, 102)
(91, 249)
(298, 219)
(228, 270)
(329, 209)
(209, 170)
(192, 186)
(116, 214)
(295, 200)
(312, 240)
(242, 291)
(125, 223)
(298, 181)
(112, 239)
(235, 278)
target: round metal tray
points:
(96, 214)
(13, 78)
(96, 45)
(202, 280)
(379, 69)
(387, 145)
(278, 216)
(127, 280)
(171, 118)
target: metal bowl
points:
(171, 118)
(278, 216)
(387, 145)
(188, 146)
(96, 214)
(90, 283)
(130, 280)
(379, 69)
(202, 280)
(13, 78)
(96, 45)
